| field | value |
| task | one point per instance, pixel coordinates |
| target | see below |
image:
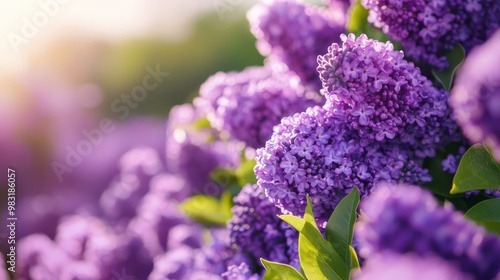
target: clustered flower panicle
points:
(476, 95)
(256, 231)
(295, 33)
(407, 219)
(250, 103)
(383, 97)
(392, 266)
(381, 119)
(429, 29)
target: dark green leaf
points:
(278, 271)
(207, 210)
(340, 226)
(487, 214)
(476, 171)
(456, 58)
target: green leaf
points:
(340, 226)
(245, 174)
(202, 123)
(206, 210)
(317, 257)
(476, 171)
(487, 214)
(456, 57)
(358, 19)
(316, 261)
(279, 271)
(354, 258)
(308, 215)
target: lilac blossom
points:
(476, 95)
(390, 266)
(295, 33)
(239, 272)
(383, 97)
(3, 270)
(429, 29)
(250, 103)
(316, 153)
(256, 230)
(407, 219)
(193, 153)
(122, 197)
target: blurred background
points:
(67, 66)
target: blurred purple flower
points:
(404, 219)
(250, 103)
(137, 167)
(295, 33)
(390, 266)
(476, 95)
(3, 269)
(239, 272)
(193, 153)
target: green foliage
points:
(278, 271)
(234, 179)
(208, 210)
(456, 58)
(318, 257)
(340, 227)
(477, 171)
(486, 214)
(354, 258)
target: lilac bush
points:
(261, 176)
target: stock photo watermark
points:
(222, 7)
(121, 106)
(32, 25)
(11, 220)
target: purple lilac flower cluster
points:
(193, 152)
(248, 104)
(138, 220)
(390, 266)
(240, 272)
(429, 29)
(383, 97)
(407, 219)
(295, 33)
(380, 120)
(256, 231)
(476, 95)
